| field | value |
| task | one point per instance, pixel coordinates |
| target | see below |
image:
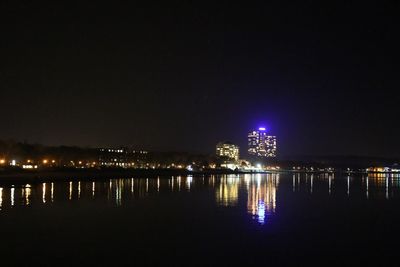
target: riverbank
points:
(20, 176)
(31, 176)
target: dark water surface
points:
(268, 220)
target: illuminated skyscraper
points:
(227, 149)
(261, 144)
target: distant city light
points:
(261, 129)
(29, 166)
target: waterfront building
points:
(261, 144)
(227, 149)
(121, 157)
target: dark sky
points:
(321, 78)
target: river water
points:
(260, 219)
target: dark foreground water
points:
(267, 220)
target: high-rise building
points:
(227, 149)
(261, 144)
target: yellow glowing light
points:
(29, 161)
(80, 162)
(53, 161)
(45, 161)
(2, 161)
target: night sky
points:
(321, 78)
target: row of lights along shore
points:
(261, 156)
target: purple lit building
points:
(261, 144)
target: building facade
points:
(261, 144)
(121, 157)
(227, 149)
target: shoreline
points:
(29, 176)
(35, 176)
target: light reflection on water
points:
(257, 195)
(227, 191)
(261, 192)
(1, 197)
(258, 190)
